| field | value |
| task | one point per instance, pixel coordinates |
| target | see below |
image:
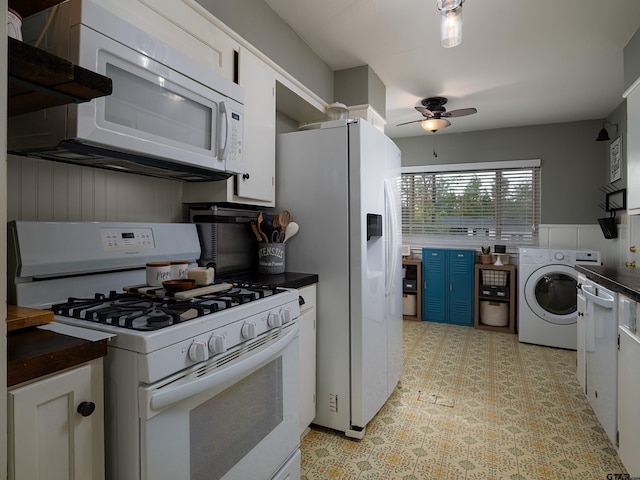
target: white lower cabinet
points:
(581, 370)
(307, 324)
(56, 426)
(629, 387)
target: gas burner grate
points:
(146, 313)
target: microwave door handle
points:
(224, 113)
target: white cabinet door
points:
(256, 185)
(633, 151)
(183, 24)
(49, 439)
(307, 340)
(258, 80)
(581, 370)
(629, 401)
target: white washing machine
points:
(547, 295)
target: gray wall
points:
(360, 86)
(632, 60)
(572, 162)
(254, 21)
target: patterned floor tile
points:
(472, 405)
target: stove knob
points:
(274, 320)
(248, 330)
(198, 351)
(217, 344)
(286, 315)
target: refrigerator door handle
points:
(392, 244)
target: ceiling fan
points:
(435, 115)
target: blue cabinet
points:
(447, 285)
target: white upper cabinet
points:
(183, 24)
(256, 185)
(632, 141)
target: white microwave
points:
(168, 116)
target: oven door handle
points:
(159, 399)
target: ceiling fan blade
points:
(412, 121)
(461, 112)
(424, 111)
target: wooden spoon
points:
(284, 218)
(262, 234)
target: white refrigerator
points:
(340, 182)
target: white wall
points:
(588, 237)
(51, 191)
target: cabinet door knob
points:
(86, 408)
(632, 249)
(630, 264)
(245, 176)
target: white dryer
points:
(547, 295)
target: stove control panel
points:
(118, 239)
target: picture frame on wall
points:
(615, 160)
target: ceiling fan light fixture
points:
(450, 22)
(435, 124)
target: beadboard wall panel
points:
(42, 190)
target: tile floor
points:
(472, 404)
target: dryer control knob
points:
(558, 256)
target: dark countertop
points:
(33, 352)
(622, 280)
(286, 279)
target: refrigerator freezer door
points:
(372, 282)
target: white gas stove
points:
(173, 360)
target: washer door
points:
(550, 293)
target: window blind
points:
(472, 207)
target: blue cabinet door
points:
(447, 285)
(461, 278)
(434, 307)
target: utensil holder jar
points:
(271, 257)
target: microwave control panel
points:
(234, 157)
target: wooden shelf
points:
(413, 272)
(505, 294)
(38, 79)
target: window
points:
(472, 204)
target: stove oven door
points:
(233, 417)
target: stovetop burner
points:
(143, 313)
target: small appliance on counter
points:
(226, 239)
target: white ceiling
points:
(521, 62)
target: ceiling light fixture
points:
(435, 124)
(603, 136)
(450, 22)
